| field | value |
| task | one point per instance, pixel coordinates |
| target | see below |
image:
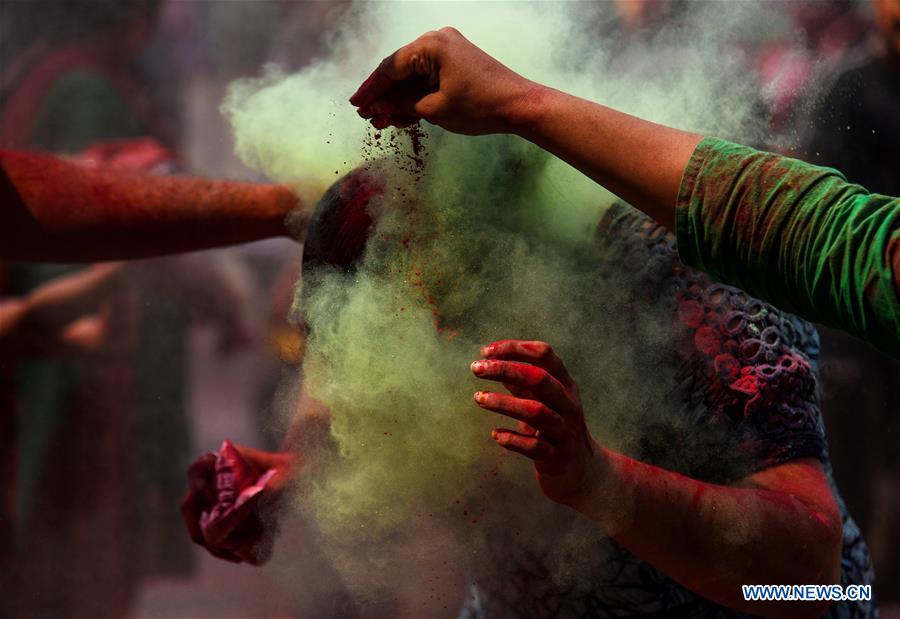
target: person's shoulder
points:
(753, 369)
(648, 251)
(745, 372)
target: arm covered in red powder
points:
(55, 210)
(780, 525)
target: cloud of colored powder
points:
(490, 239)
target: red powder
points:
(379, 146)
(691, 313)
(416, 135)
(708, 340)
(748, 384)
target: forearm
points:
(36, 323)
(640, 161)
(53, 209)
(20, 334)
(60, 301)
(713, 538)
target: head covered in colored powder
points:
(342, 222)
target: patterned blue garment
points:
(746, 398)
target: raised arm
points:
(444, 79)
(56, 210)
(799, 236)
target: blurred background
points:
(177, 353)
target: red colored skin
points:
(246, 534)
(55, 210)
(778, 525)
(693, 531)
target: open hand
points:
(545, 400)
(445, 79)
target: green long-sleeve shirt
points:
(795, 234)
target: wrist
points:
(296, 219)
(604, 499)
(286, 217)
(526, 109)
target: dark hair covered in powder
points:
(338, 232)
(342, 222)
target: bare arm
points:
(778, 228)
(640, 161)
(778, 526)
(55, 210)
(45, 319)
(446, 80)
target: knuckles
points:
(441, 36)
(544, 351)
(536, 410)
(540, 379)
(450, 32)
(432, 36)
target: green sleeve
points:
(797, 235)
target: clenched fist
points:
(443, 78)
(229, 508)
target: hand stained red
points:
(223, 508)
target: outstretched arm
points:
(56, 210)
(797, 235)
(444, 79)
(780, 525)
(55, 316)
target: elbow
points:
(814, 559)
(819, 563)
(826, 547)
